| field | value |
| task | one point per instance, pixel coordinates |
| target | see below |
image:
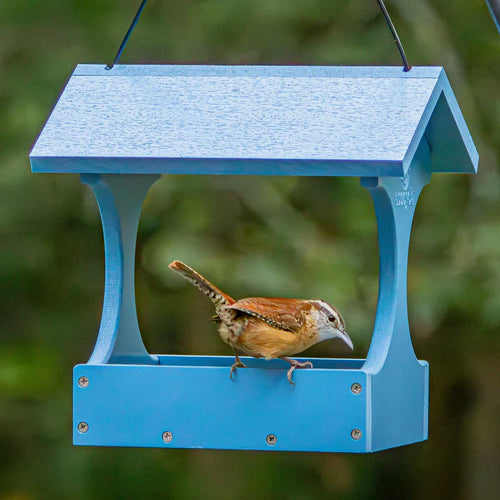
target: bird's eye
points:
(331, 318)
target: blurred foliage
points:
(252, 236)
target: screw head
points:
(83, 381)
(356, 434)
(83, 427)
(356, 388)
(271, 439)
(167, 436)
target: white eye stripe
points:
(328, 310)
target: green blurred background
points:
(304, 237)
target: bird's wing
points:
(281, 313)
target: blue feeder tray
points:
(121, 128)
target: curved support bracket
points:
(395, 199)
(398, 383)
(120, 199)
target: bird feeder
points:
(120, 129)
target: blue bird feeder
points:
(120, 129)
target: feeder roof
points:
(279, 120)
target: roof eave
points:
(442, 124)
(215, 166)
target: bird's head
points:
(329, 322)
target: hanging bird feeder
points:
(121, 129)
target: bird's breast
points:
(259, 339)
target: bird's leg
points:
(237, 364)
(295, 364)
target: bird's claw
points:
(296, 364)
(236, 364)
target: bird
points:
(269, 328)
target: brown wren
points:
(269, 328)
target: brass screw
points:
(167, 436)
(356, 434)
(83, 427)
(83, 381)
(271, 439)
(356, 388)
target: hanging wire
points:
(127, 35)
(387, 17)
(494, 6)
(389, 22)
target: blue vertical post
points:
(120, 200)
(399, 382)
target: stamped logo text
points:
(405, 199)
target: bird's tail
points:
(218, 297)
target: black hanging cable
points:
(494, 6)
(127, 35)
(389, 22)
(387, 17)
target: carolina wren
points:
(269, 327)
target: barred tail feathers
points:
(217, 296)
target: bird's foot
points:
(237, 364)
(296, 364)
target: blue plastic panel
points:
(194, 399)
(356, 121)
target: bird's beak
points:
(345, 337)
